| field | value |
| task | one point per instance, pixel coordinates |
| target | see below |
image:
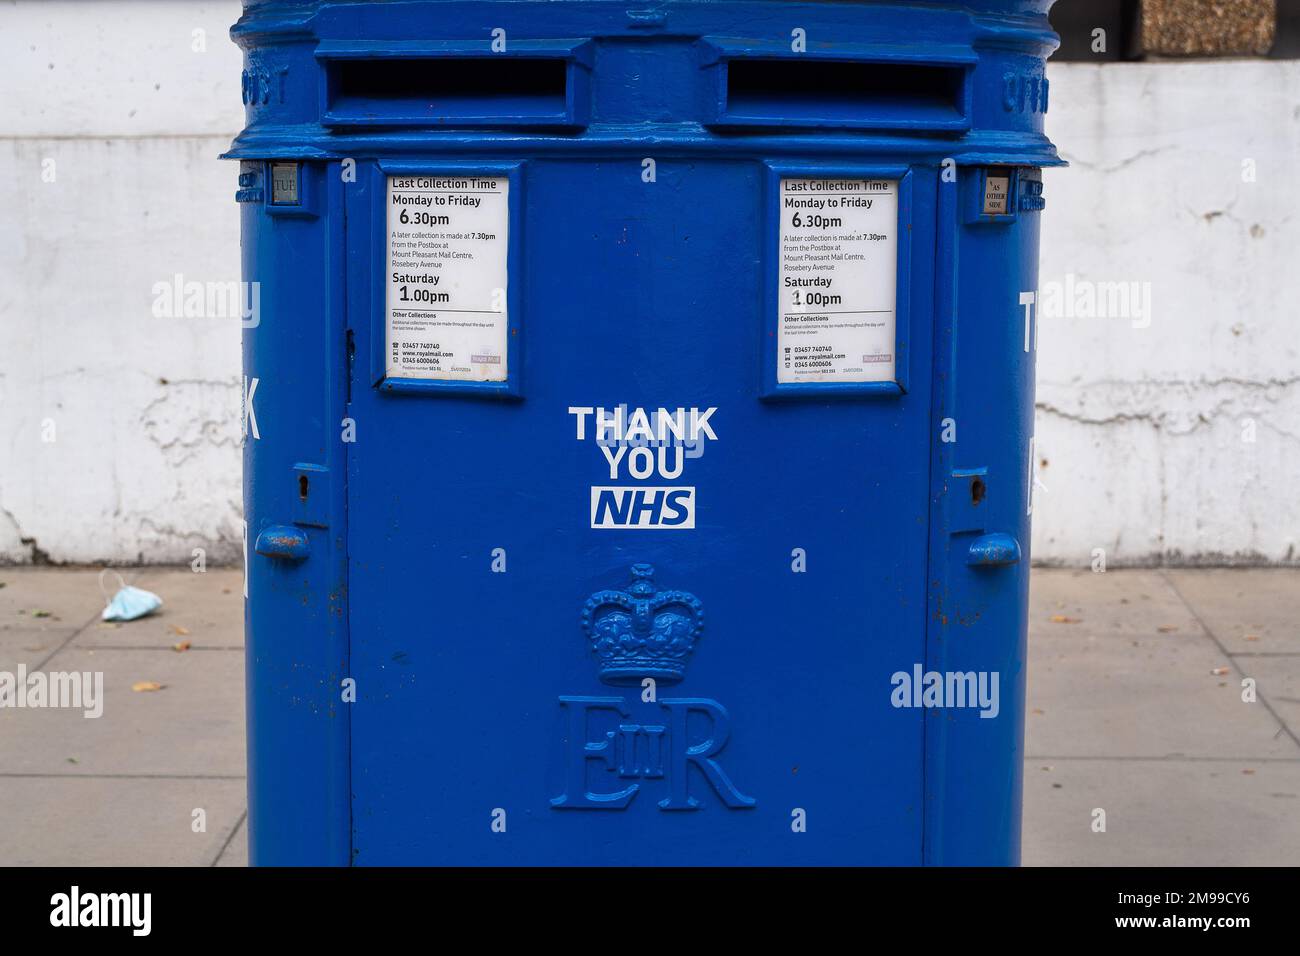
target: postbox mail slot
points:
(449, 90)
(785, 91)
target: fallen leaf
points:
(146, 685)
(225, 590)
(40, 613)
(1062, 619)
(1167, 628)
(1038, 710)
(182, 646)
(108, 625)
(1248, 772)
(1252, 637)
(182, 631)
(72, 760)
(1220, 671)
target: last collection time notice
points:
(837, 283)
(446, 281)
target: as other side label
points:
(446, 280)
(837, 282)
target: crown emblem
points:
(642, 632)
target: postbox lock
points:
(968, 491)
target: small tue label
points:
(284, 184)
(837, 283)
(446, 279)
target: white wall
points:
(144, 462)
(1143, 429)
(1140, 429)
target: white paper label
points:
(837, 284)
(446, 280)
(996, 190)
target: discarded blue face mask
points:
(130, 603)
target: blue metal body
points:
(446, 662)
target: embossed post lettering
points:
(682, 754)
(640, 634)
(582, 750)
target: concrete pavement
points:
(126, 790)
(1135, 709)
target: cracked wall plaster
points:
(1182, 178)
(145, 461)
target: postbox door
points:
(576, 644)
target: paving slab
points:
(1162, 813)
(29, 646)
(1255, 610)
(70, 597)
(1124, 603)
(193, 726)
(236, 851)
(1278, 683)
(40, 611)
(114, 821)
(1172, 694)
(206, 609)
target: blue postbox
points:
(639, 428)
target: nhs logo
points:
(643, 506)
(644, 444)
